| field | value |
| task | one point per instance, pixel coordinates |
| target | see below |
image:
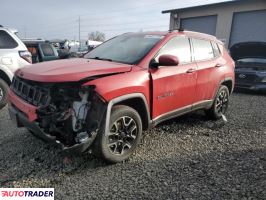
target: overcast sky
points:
(51, 19)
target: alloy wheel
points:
(122, 135)
(1, 94)
(222, 102)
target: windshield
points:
(128, 48)
(252, 60)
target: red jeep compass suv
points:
(126, 85)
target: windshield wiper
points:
(98, 58)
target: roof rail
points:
(179, 29)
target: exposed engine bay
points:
(71, 113)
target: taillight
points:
(26, 55)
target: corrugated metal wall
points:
(205, 24)
(248, 26)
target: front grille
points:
(245, 78)
(30, 92)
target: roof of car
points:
(200, 35)
(162, 33)
(33, 41)
(179, 32)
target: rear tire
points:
(3, 93)
(123, 136)
(220, 103)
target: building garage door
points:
(206, 24)
(248, 26)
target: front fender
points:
(111, 87)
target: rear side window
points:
(178, 46)
(47, 50)
(6, 41)
(216, 50)
(202, 50)
(33, 50)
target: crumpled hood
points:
(248, 50)
(70, 70)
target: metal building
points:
(230, 21)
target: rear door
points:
(209, 68)
(174, 87)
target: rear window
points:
(6, 41)
(47, 50)
(33, 50)
(202, 50)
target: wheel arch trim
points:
(226, 79)
(6, 73)
(123, 98)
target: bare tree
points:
(97, 36)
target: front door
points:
(174, 87)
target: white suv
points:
(13, 55)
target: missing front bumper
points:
(22, 120)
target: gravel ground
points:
(186, 158)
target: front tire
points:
(123, 136)
(220, 103)
(3, 93)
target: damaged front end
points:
(67, 113)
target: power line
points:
(121, 30)
(126, 10)
(114, 11)
(73, 25)
(70, 25)
(131, 28)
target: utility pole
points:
(79, 34)
(25, 32)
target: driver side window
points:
(179, 47)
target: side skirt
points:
(181, 111)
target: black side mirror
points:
(154, 64)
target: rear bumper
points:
(24, 115)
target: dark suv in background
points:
(250, 60)
(41, 50)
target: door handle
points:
(191, 70)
